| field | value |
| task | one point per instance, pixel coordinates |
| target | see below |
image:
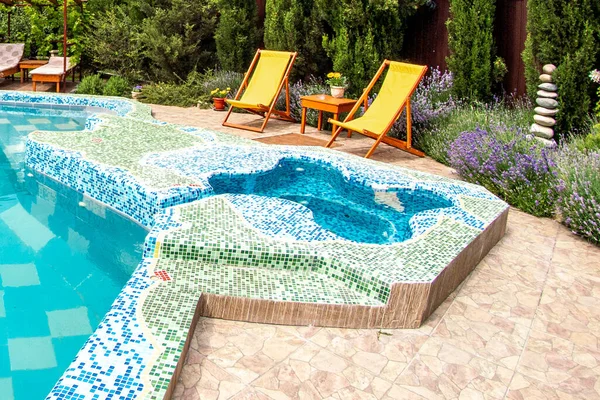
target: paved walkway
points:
(524, 325)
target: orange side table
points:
(324, 102)
(26, 65)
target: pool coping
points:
(397, 313)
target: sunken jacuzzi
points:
(252, 232)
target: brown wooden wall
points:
(426, 39)
(510, 33)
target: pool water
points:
(350, 210)
(62, 263)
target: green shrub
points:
(297, 25)
(472, 52)
(185, 94)
(236, 35)
(565, 34)
(115, 45)
(117, 86)
(362, 35)
(195, 89)
(178, 37)
(92, 84)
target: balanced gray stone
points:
(546, 142)
(546, 78)
(542, 131)
(550, 87)
(545, 111)
(547, 103)
(544, 121)
(546, 94)
(548, 68)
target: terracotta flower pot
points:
(135, 95)
(219, 103)
(337, 91)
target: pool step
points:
(260, 283)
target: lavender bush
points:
(304, 88)
(510, 165)
(466, 117)
(579, 191)
(432, 100)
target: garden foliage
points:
(350, 36)
(446, 128)
(472, 53)
(509, 164)
(115, 44)
(297, 25)
(579, 191)
(196, 89)
(431, 101)
(565, 34)
(91, 84)
(236, 35)
(117, 86)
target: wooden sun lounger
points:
(10, 55)
(53, 72)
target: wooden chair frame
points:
(10, 72)
(265, 111)
(401, 144)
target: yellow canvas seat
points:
(399, 84)
(268, 74)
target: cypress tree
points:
(563, 33)
(472, 51)
(236, 35)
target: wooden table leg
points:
(57, 87)
(303, 123)
(22, 75)
(335, 117)
(320, 123)
(34, 85)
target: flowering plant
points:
(595, 77)
(218, 93)
(509, 164)
(137, 88)
(335, 79)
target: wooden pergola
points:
(51, 3)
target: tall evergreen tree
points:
(472, 51)
(237, 35)
(564, 33)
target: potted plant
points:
(218, 97)
(136, 91)
(337, 82)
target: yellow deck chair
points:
(268, 73)
(399, 84)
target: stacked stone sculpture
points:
(547, 107)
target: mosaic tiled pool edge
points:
(139, 344)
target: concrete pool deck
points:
(525, 324)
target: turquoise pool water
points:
(348, 209)
(62, 263)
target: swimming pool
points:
(57, 249)
(226, 251)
